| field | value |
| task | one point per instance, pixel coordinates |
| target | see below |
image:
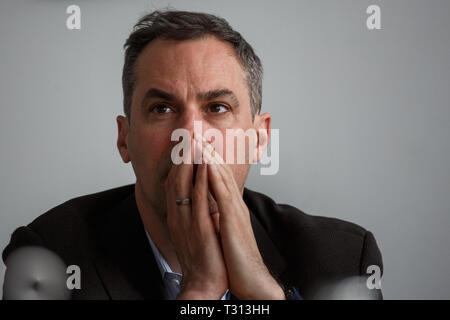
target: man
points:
(191, 230)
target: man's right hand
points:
(193, 234)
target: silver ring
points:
(180, 202)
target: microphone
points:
(35, 273)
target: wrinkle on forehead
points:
(189, 66)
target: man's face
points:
(177, 83)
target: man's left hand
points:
(248, 276)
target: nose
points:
(190, 119)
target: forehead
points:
(199, 64)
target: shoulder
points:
(71, 224)
(81, 210)
(275, 215)
(317, 246)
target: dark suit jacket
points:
(104, 235)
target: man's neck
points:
(156, 226)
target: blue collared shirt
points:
(172, 280)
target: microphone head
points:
(35, 273)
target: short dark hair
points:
(184, 25)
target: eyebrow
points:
(157, 93)
(219, 93)
(208, 95)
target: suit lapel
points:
(270, 254)
(125, 262)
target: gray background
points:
(363, 116)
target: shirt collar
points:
(167, 273)
(162, 263)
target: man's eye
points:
(218, 108)
(161, 109)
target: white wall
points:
(363, 115)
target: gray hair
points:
(183, 25)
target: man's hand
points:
(193, 235)
(248, 276)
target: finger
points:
(183, 176)
(179, 186)
(208, 153)
(208, 150)
(223, 184)
(225, 189)
(219, 188)
(178, 216)
(169, 184)
(200, 194)
(216, 221)
(183, 181)
(200, 208)
(224, 171)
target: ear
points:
(262, 127)
(122, 138)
